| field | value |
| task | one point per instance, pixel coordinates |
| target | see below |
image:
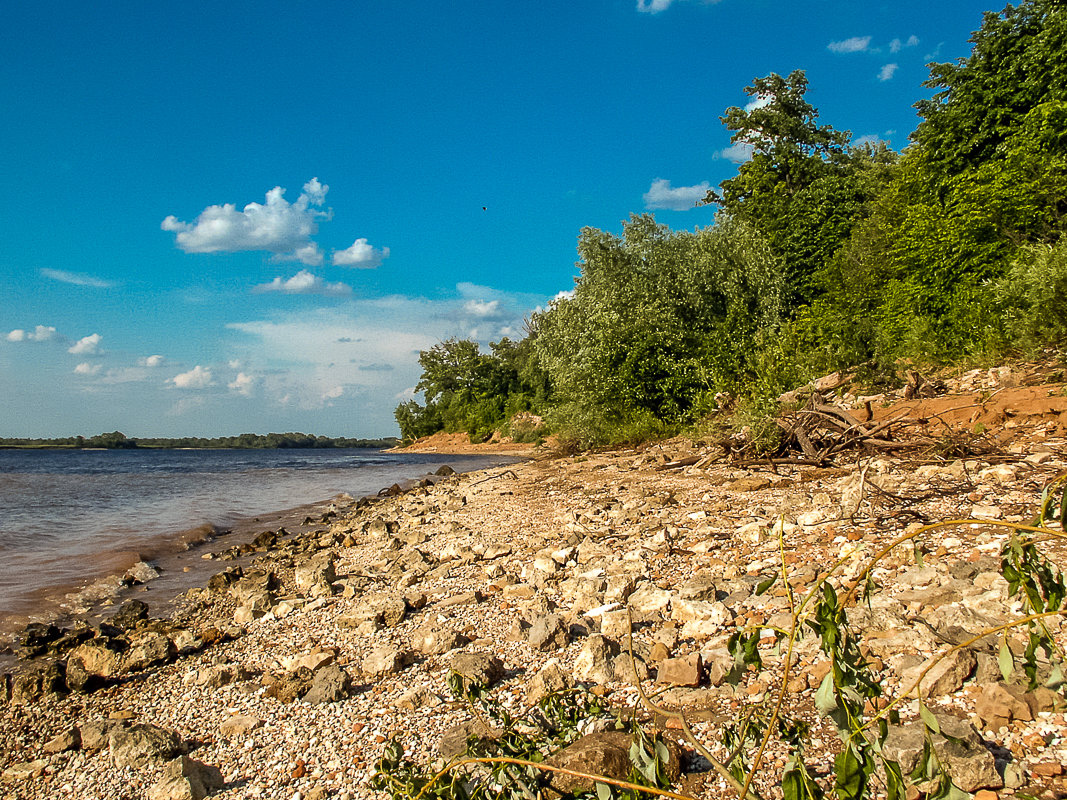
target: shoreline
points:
(172, 563)
(523, 563)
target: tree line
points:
(245, 441)
(823, 255)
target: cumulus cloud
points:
(197, 378)
(275, 226)
(482, 308)
(738, 152)
(242, 384)
(85, 368)
(42, 333)
(151, 361)
(76, 278)
(304, 283)
(857, 44)
(677, 198)
(87, 345)
(887, 72)
(360, 255)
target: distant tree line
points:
(245, 441)
(823, 255)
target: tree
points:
(658, 320)
(1018, 62)
(802, 186)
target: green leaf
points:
(1005, 660)
(603, 791)
(825, 699)
(928, 718)
(763, 586)
(894, 781)
(850, 779)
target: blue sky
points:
(236, 216)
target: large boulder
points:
(315, 576)
(606, 754)
(964, 757)
(138, 745)
(328, 685)
(90, 665)
(186, 779)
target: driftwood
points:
(813, 435)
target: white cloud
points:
(360, 255)
(678, 198)
(243, 384)
(76, 278)
(152, 361)
(197, 378)
(368, 347)
(738, 152)
(896, 45)
(333, 393)
(85, 368)
(276, 226)
(870, 139)
(309, 254)
(482, 308)
(304, 283)
(656, 6)
(887, 72)
(87, 345)
(857, 44)
(42, 333)
(759, 101)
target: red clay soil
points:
(460, 444)
(1024, 406)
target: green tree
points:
(803, 188)
(1018, 62)
(658, 321)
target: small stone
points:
(67, 740)
(548, 633)
(684, 671)
(24, 771)
(1047, 769)
(550, 678)
(594, 662)
(239, 725)
(386, 660)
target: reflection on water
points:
(69, 517)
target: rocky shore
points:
(286, 678)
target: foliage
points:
(467, 390)
(1017, 64)
(508, 766)
(658, 320)
(824, 256)
(1033, 295)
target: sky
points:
(232, 217)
